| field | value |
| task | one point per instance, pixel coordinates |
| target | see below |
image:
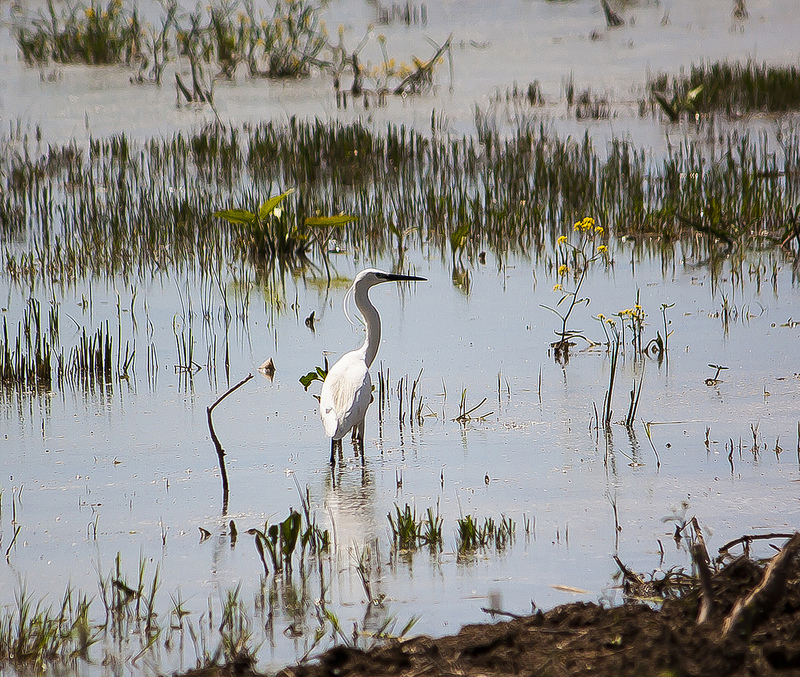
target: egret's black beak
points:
(392, 277)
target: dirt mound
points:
(750, 625)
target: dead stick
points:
(707, 598)
(627, 574)
(215, 440)
(499, 612)
(423, 68)
(748, 612)
(746, 540)
(702, 561)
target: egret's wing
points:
(345, 396)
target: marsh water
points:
(127, 469)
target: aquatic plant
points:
(405, 527)
(431, 527)
(575, 259)
(471, 535)
(33, 635)
(272, 235)
(94, 34)
(280, 541)
(236, 637)
(157, 47)
(409, 531)
(25, 360)
(468, 414)
(659, 346)
(316, 374)
(633, 319)
(732, 88)
(292, 41)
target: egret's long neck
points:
(373, 320)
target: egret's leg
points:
(358, 438)
(334, 444)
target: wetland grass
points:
(94, 34)
(409, 531)
(156, 206)
(34, 635)
(26, 360)
(288, 41)
(471, 535)
(40, 637)
(734, 89)
(467, 414)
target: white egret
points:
(347, 389)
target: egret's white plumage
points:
(347, 389)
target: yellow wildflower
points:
(563, 269)
(558, 287)
(602, 249)
(562, 239)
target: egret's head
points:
(372, 276)
(368, 278)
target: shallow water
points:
(137, 463)
(131, 469)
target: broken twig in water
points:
(218, 445)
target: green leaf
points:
(237, 216)
(694, 93)
(269, 206)
(322, 221)
(290, 529)
(308, 379)
(318, 374)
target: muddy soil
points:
(752, 627)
